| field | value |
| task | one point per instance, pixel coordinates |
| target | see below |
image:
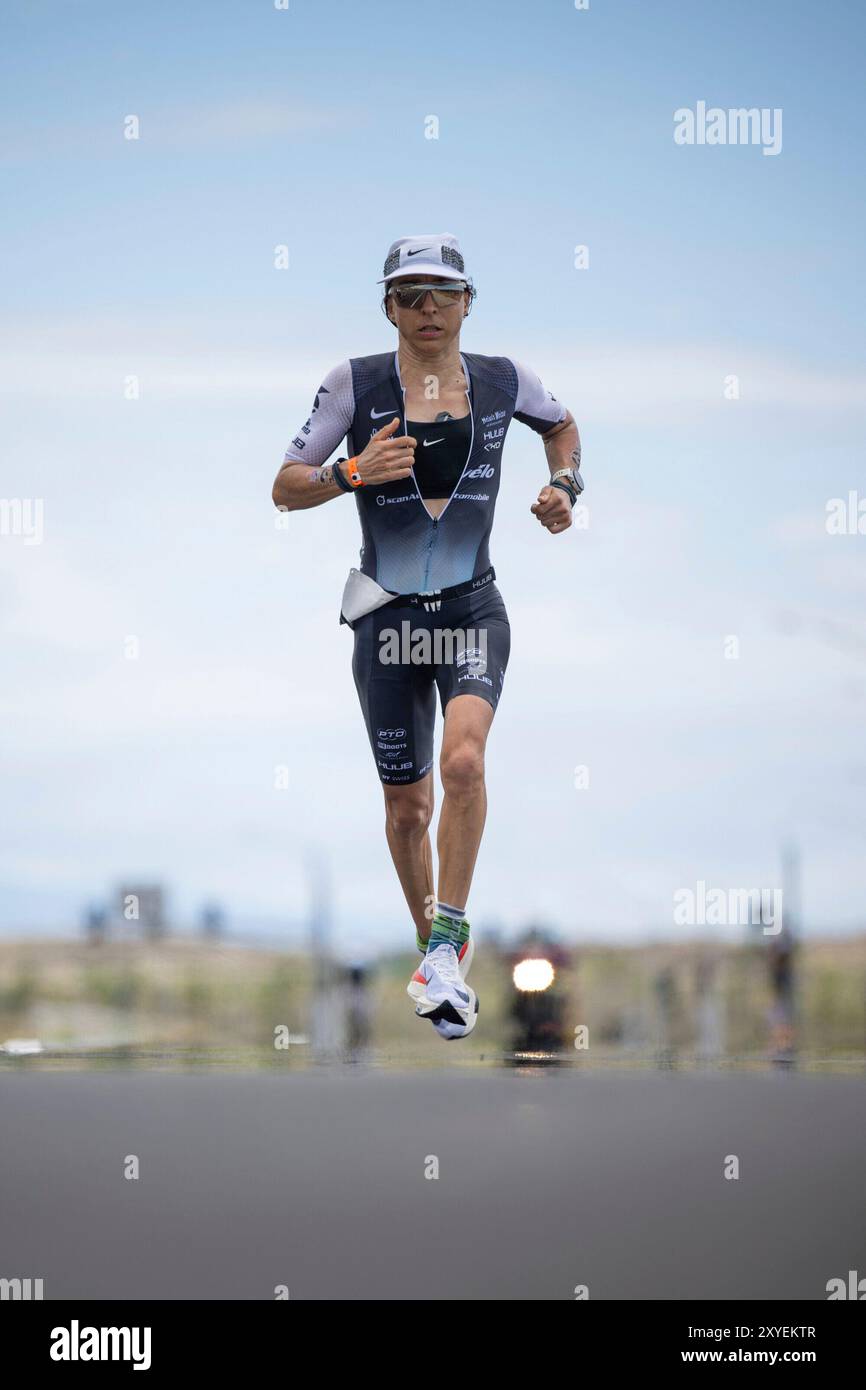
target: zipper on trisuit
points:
(429, 556)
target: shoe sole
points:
(445, 1012)
(469, 1027)
(425, 1006)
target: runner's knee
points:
(462, 768)
(409, 813)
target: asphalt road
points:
(548, 1179)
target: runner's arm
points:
(553, 506)
(562, 445)
(542, 412)
(305, 479)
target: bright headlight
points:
(530, 976)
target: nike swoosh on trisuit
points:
(428, 442)
(378, 414)
(418, 252)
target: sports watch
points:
(571, 484)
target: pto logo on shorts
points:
(473, 657)
(390, 733)
(473, 661)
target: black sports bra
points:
(441, 452)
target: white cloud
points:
(90, 358)
(171, 128)
(230, 122)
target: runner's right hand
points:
(387, 459)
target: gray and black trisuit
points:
(408, 551)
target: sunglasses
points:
(413, 296)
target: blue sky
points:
(155, 258)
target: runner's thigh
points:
(397, 698)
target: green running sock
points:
(462, 935)
(449, 927)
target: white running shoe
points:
(440, 993)
(465, 956)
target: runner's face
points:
(429, 328)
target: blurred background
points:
(136, 984)
(200, 202)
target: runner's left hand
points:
(553, 509)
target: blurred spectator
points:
(781, 954)
(358, 1011)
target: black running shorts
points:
(403, 653)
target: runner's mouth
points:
(430, 331)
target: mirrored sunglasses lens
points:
(411, 297)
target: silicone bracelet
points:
(569, 491)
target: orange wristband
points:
(352, 472)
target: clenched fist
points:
(553, 509)
(387, 459)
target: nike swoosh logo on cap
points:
(378, 414)
(418, 252)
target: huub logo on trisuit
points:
(426, 563)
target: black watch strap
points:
(338, 476)
(570, 492)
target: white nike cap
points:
(437, 254)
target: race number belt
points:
(432, 599)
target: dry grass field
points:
(635, 1001)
